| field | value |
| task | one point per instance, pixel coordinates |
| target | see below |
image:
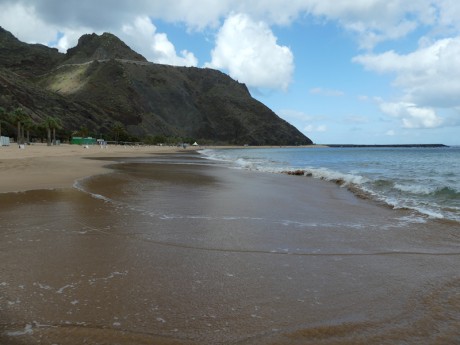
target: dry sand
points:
(46, 167)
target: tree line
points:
(18, 124)
(24, 125)
(21, 125)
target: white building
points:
(4, 141)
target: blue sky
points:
(360, 71)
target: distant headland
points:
(386, 145)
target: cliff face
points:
(102, 80)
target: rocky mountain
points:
(26, 59)
(102, 81)
(94, 47)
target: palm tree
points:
(46, 124)
(27, 125)
(57, 124)
(51, 123)
(83, 132)
(19, 116)
(2, 115)
(118, 129)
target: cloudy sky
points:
(341, 71)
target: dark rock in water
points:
(296, 172)
(102, 81)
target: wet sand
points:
(189, 252)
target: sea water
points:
(421, 179)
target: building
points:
(4, 141)
(83, 141)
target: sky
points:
(340, 71)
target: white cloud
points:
(155, 46)
(196, 14)
(390, 133)
(312, 128)
(449, 12)
(299, 116)
(25, 23)
(304, 122)
(429, 76)
(250, 53)
(326, 92)
(374, 21)
(411, 115)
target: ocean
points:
(420, 179)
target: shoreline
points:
(39, 166)
(42, 167)
(198, 253)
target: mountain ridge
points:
(107, 46)
(101, 81)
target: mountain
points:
(102, 81)
(94, 47)
(26, 59)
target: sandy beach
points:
(43, 167)
(170, 248)
(39, 166)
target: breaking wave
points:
(402, 179)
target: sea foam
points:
(404, 178)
